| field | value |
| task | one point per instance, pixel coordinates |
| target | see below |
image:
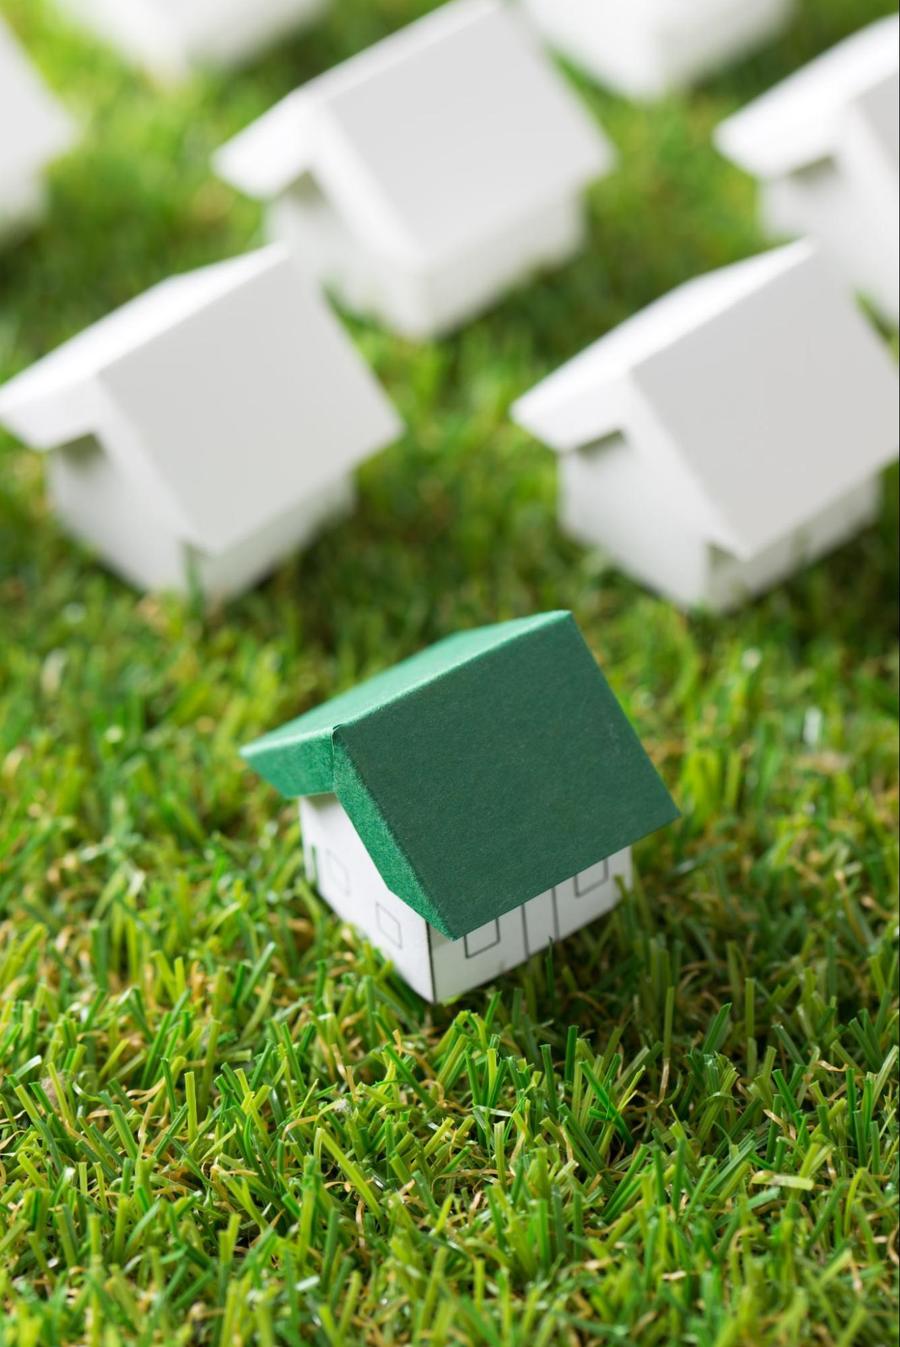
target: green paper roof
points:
(479, 773)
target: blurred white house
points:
(207, 429)
(35, 130)
(729, 434)
(168, 38)
(825, 145)
(425, 176)
(648, 48)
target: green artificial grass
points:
(222, 1119)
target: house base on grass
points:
(472, 805)
(108, 512)
(825, 146)
(684, 567)
(423, 178)
(207, 430)
(649, 48)
(34, 131)
(169, 38)
(727, 436)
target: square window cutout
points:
(592, 879)
(388, 925)
(480, 941)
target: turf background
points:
(222, 1120)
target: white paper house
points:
(474, 804)
(424, 177)
(34, 130)
(647, 48)
(168, 38)
(207, 429)
(825, 146)
(729, 434)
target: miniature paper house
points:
(206, 429)
(473, 804)
(427, 175)
(729, 434)
(34, 130)
(825, 145)
(647, 48)
(168, 38)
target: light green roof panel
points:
(479, 773)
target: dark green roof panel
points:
(479, 773)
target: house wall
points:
(731, 582)
(100, 506)
(420, 305)
(859, 233)
(629, 48)
(241, 567)
(494, 949)
(344, 874)
(612, 498)
(438, 968)
(460, 290)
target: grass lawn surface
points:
(222, 1119)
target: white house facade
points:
(727, 436)
(345, 875)
(426, 176)
(206, 430)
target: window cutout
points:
(388, 925)
(540, 922)
(313, 860)
(816, 173)
(590, 880)
(480, 941)
(83, 453)
(720, 559)
(338, 871)
(614, 440)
